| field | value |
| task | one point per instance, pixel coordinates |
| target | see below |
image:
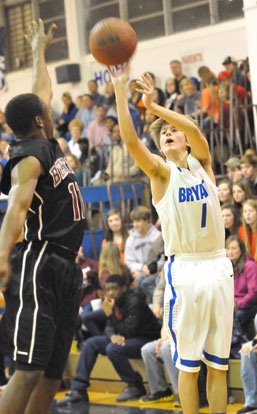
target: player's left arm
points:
(24, 179)
(39, 41)
(197, 141)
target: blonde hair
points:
(184, 82)
(156, 127)
(76, 122)
(110, 259)
(77, 162)
(252, 203)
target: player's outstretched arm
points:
(152, 165)
(39, 41)
(197, 141)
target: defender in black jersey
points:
(40, 278)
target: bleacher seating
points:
(105, 377)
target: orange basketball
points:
(112, 41)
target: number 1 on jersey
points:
(204, 214)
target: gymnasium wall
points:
(205, 46)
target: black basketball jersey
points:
(57, 210)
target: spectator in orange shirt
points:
(247, 231)
(210, 101)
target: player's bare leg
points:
(42, 396)
(217, 390)
(188, 391)
(16, 395)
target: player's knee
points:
(30, 378)
(112, 350)
(47, 388)
(214, 372)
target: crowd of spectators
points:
(88, 122)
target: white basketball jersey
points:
(190, 213)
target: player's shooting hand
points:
(118, 339)
(146, 87)
(5, 273)
(107, 306)
(36, 35)
(119, 74)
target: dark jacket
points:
(132, 317)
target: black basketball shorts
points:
(42, 301)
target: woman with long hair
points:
(247, 230)
(225, 191)
(170, 93)
(110, 262)
(75, 164)
(241, 191)
(231, 218)
(116, 230)
(245, 280)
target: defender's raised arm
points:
(41, 82)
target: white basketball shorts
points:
(198, 309)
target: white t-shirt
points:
(190, 213)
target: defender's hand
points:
(36, 35)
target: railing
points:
(234, 131)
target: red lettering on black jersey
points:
(60, 170)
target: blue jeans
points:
(117, 354)
(95, 322)
(246, 315)
(249, 378)
(146, 285)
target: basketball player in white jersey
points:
(199, 297)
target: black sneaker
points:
(131, 392)
(72, 397)
(159, 396)
(246, 409)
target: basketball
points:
(112, 41)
